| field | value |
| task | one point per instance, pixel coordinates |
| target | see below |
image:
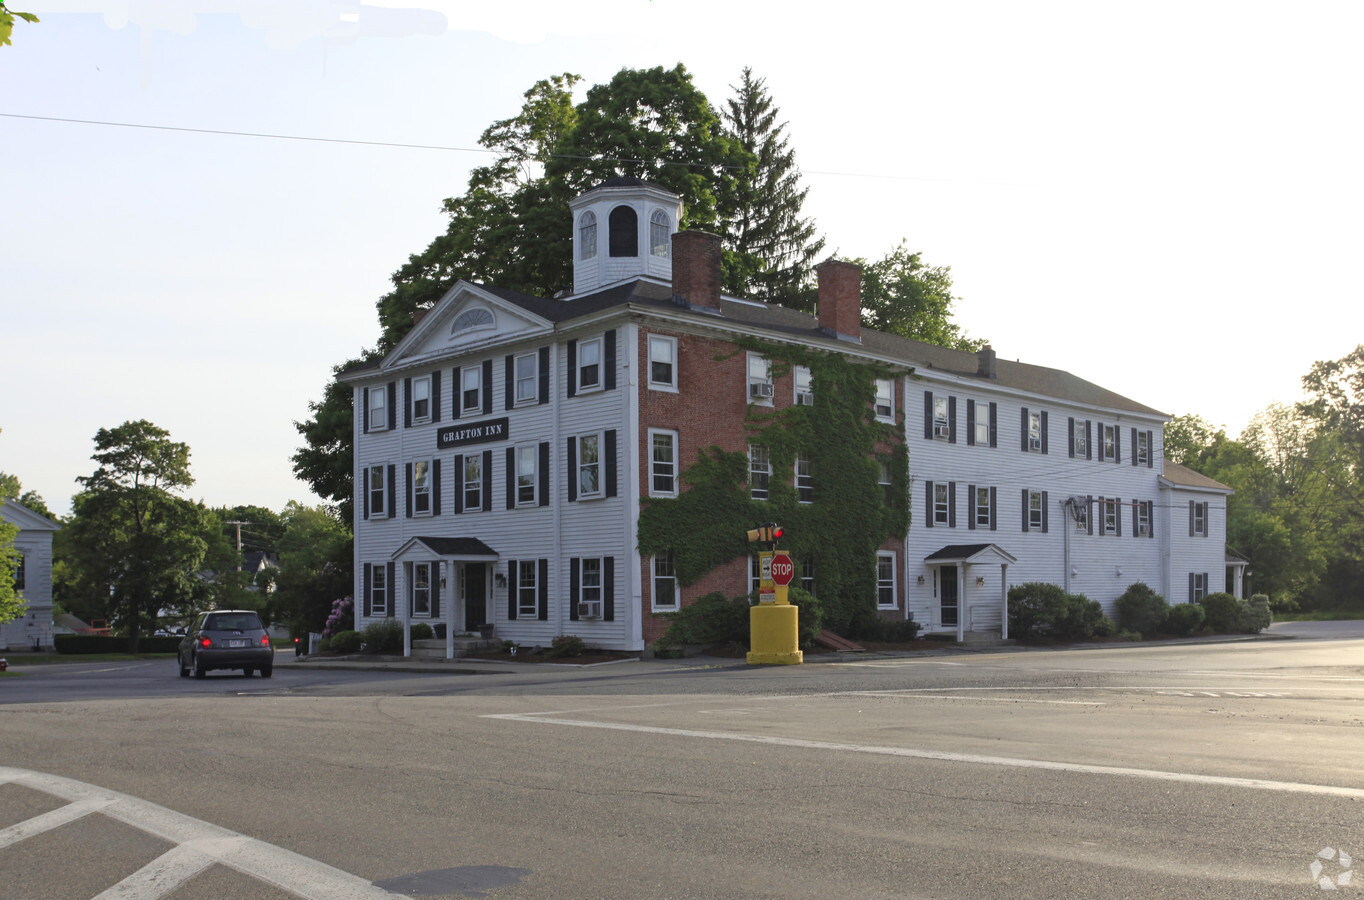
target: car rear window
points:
(232, 622)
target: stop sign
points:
(783, 570)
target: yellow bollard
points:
(774, 632)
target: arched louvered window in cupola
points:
(659, 233)
(587, 235)
(624, 224)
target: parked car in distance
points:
(226, 639)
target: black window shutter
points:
(512, 569)
(407, 488)
(1044, 512)
(1089, 443)
(1091, 514)
(1026, 511)
(1136, 518)
(391, 595)
(364, 489)
(544, 473)
(435, 590)
(609, 379)
(511, 478)
(574, 568)
(459, 483)
(1099, 514)
(1150, 519)
(435, 395)
(611, 463)
(992, 510)
(365, 412)
(543, 583)
(1025, 429)
(1117, 518)
(392, 490)
(1117, 443)
(1150, 449)
(435, 487)
(1191, 587)
(572, 466)
(487, 481)
(951, 420)
(573, 368)
(928, 504)
(487, 387)
(368, 602)
(1191, 518)
(509, 383)
(928, 415)
(971, 507)
(1134, 446)
(970, 423)
(608, 589)
(951, 504)
(1045, 429)
(407, 402)
(456, 393)
(544, 374)
(392, 405)
(994, 425)
(1070, 430)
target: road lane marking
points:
(1261, 784)
(198, 844)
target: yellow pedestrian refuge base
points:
(774, 635)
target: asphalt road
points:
(1205, 770)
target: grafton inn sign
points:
(473, 433)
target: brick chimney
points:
(985, 362)
(696, 269)
(840, 299)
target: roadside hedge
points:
(77, 644)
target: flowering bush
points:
(340, 618)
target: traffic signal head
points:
(768, 533)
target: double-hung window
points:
(421, 399)
(942, 503)
(527, 592)
(887, 484)
(942, 424)
(1198, 519)
(587, 235)
(421, 589)
(759, 379)
(527, 376)
(1142, 515)
(665, 592)
(19, 577)
(805, 390)
(378, 590)
(589, 465)
(527, 474)
(662, 362)
(589, 365)
(421, 487)
(885, 399)
(1080, 512)
(885, 580)
(1141, 440)
(378, 409)
(1110, 443)
(805, 482)
(759, 471)
(982, 507)
(472, 481)
(1110, 516)
(1198, 586)
(1036, 510)
(662, 463)
(471, 390)
(807, 575)
(1035, 431)
(1079, 431)
(378, 495)
(982, 425)
(589, 579)
(660, 237)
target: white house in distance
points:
(32, 579)
(502, 450)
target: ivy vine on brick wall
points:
(852, 512)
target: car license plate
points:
(236, 643)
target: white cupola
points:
(623, 229)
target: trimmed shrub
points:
(1223, 613)
(1141, 609)
(810, 619)
(1080, 618)
(1257, 615)
(1033, 608)
(1184, 618)
(711, 619)
(566, 645)
(383, 637)
(76, 644)
(422, 632)
(344, 642)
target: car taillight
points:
(205, 642)
(265, 640)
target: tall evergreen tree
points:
(766, 229)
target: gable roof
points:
(1179, 476)
(16, 513)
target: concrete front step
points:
(464, 646)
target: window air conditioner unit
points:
(1035, 444)
(589, 609)
(939, 431)
(1144, 530)
(762, 389)
(883, 411)
(805, 399)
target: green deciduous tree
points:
(132, 542)
(766, 227)
(11, 604)
(902, 295)
(314, 567)
(7, 18)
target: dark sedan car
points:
(227, 639)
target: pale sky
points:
(1163, 198)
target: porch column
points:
(452, 594)
(406, 601)
(961, 602)
(1004, 601)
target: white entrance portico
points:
(443, 580)
(956, 569)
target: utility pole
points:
(239, 525)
